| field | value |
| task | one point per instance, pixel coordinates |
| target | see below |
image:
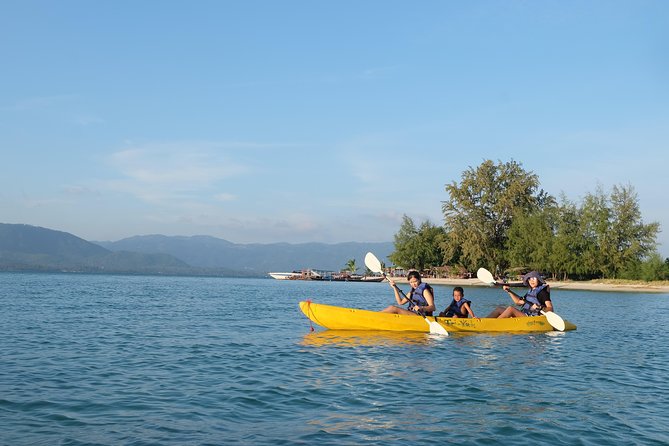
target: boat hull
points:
(341, 318)
(283, 276)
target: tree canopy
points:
(418, 247)
(497, 217)
(481, 209)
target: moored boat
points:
(284, 276)
(305, 274)
(341, 318)
(312, 274)
(344, 277)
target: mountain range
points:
(25, 247)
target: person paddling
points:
(421, 296)
(538, 298)
(459, 306)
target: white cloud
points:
(225, 197)
(198, 180)
(159, 171)
(38, 103)
(86, 120)
(375, 72)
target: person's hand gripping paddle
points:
(374, 265)
(554, 319)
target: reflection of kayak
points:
(355, 338)
(340, 318)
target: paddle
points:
(486, 276)
(554, 319)
(374, 265)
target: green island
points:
(498, 217)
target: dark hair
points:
(415, 274)
(459, 288)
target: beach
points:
(592, 285)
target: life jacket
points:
(418, 298)
(455, 308)
(532, 298)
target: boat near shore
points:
(347, 277)
(305, 274)
(331, 276)
(283, 276)
(372, 279)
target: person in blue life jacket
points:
(536, 299)
(459, 306)
(421, 294)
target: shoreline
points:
(582, 286)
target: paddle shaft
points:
(513, 284)
(399, 290)
(553, 318)
(373, 263)
(434, 325)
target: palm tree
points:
(350, 266)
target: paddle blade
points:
(373, 263)
(436, 328)
(484, 276)
(555, 320)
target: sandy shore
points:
(587, 286)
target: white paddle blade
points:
(373, 263)
(555, 320)
(484, 276)
(436, 328)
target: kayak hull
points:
(341, 318)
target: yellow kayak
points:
(340, 318)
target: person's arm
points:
(400, 300)
(427, 294)
(516, 298)
(469, 310)
(545, 299)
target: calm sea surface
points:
(128, 360)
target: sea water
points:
(147, 360)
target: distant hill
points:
(32, 248)
(211, 252)
(33, 240)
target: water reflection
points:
(355, 338)
(494, 351)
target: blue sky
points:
(323, 121)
